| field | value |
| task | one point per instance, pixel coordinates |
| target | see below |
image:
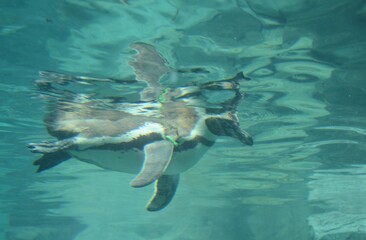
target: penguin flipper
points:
(157, 158)
(165, 188)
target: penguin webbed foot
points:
(50, 147)
(49, 160)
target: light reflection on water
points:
(304, 106)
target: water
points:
(305, 176)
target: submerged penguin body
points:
(157, 138)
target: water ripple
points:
(343, 128)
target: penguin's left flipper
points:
(165, 188)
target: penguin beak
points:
(230, 128)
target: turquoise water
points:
(303, 179)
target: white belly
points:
(131, 161)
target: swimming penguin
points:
(158, 137)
